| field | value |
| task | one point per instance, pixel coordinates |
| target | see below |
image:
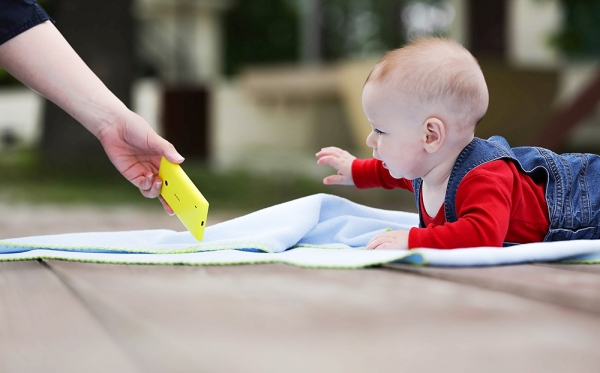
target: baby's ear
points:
(435, 134)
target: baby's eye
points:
(377, 131)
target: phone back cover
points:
(185, 199)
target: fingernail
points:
(171, 214)
(157, 184)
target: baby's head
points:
(426, 98)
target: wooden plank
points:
(574, 289)
(587, 268)
(277, 318)
(45, 328)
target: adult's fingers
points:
(144, 182)
(166, 206)
(154, 190)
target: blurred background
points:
(249, 91)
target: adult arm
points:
(42, 59)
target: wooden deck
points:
(58, 316)
(72, 317)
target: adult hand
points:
(60, 75)
(395, 240)
(136, 150)
(339, 159)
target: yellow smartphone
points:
(185, 199)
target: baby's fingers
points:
(330, 160)
(331, 150)
(336, 179)
(376, 242)
(387, 246)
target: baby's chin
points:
(395, 175)
(399, 175)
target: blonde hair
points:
(437, 71)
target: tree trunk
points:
(488, 20)
(101, 32)
(312, 29)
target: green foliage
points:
(268, 31)
(580, 34)
(260, 31)
(361, 27)
(25, 180)
(6, 79)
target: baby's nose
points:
(370, 142)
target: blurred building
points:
(182, 39)
(273, 117)
(284, 115)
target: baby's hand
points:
(395, 240)
(339, 159)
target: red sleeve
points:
(370, 173)
(483, 206)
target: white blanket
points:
(321, 231)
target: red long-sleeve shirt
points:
(495, 203)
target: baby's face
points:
(397, 135)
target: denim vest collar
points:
(476, 153)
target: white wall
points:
(262, 137)
(460, 25)
(193, 35)
(20, 113)
(21, 109)
(146, 100)
(530, 26)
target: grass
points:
(23, 179)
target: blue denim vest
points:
(572, 184)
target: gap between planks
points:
(279, 318)
(45, 327)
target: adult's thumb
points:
(167, 150)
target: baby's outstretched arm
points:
(339, 159)
(395, 240)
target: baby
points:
(423, 102)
